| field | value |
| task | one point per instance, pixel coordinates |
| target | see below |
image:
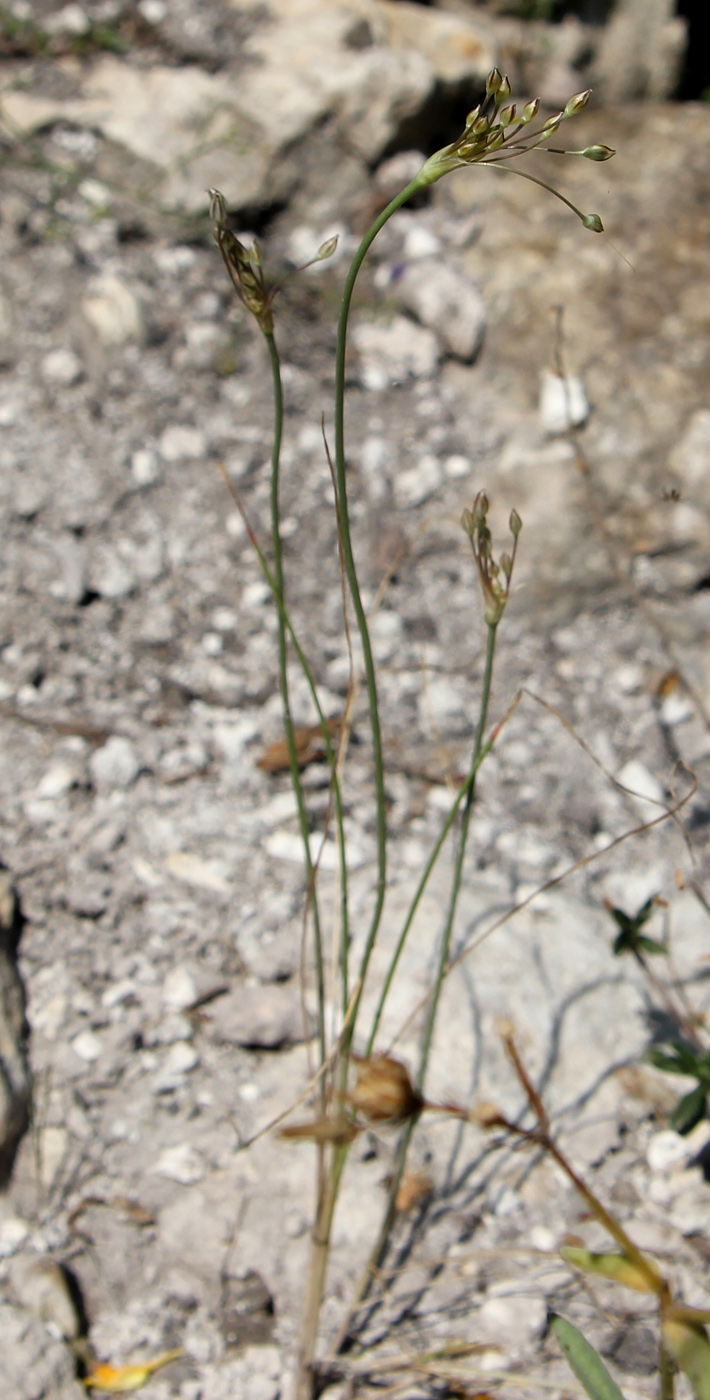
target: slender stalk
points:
(278, 586)
(460, 856)
(329, 1176)
(467, 792)
(354, 587)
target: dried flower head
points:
(495, 133)
(383, 1091)
(244, 265)
(494, 577)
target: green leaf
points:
(690, 1110)
(683, 1060)
(586, 1363)
(651, 945)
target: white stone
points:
(420, 242)
(457, 466)
(145, 467)
(95, 193)
(394, 352)
(116, 764)
(87, 1046)
(645, 790)
(563, 404)
(180, 1059)
(180, 441)
(181, 1163)
(447, 302)
(13, 1233)
(62, 367)
(114, 311)
(666, 1149)
(193, 870)
(71, 19)
(676, 708)
(8, 413)
(179, 990)
(58, 779)
(153, 11)
(416, 485)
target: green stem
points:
(354, 587)
(278, 587)
(467, 792)
(460, 856)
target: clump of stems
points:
(495, 133)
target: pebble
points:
(145, 467)
(182, 1163)
(690, 459)
(13, 1233)
(446, 302)
(110, 574)
(180, 1059)
(114, 311)
(563, 404)
(376, 456)
(180, 442)
(71, 554)
(193, 870)
(71, 19)
(87, 1046)
(62, 367)
(645, 792)
(262, 1018)
(443, 701)
(58, 780)
(116, 764)
(390, 354)
(179, 990)
(413, 487)
(457, 466)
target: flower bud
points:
(598, 152)
(593, 222)
(530, 110)
(384, 1092)
(515, 524)
(508, 115)
(493, 82)
(503, 92)
(577, 103)
(327, 249)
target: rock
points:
(71, 19)
(71, 554)
(182, 1163)
(116, 764)
(690, 460)
(264, 1017)
(62, 367)
(114, 311)
(179, 990)
(145, 467)
(87, 1046)
(35, 1365)
(645, 791)
(392, 353)
(180, 442)
(14, 1031)
(416, 485)
(460, 49)
(40, 1284)
(6, 333)
(448, 303)
(641, 51)
(563, 404)
(180, 1059)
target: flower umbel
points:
(494, 578)
(495, 133)
(244, 265)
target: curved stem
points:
(354, 587)
(278, 588)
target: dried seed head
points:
(486, 1115)
(384, 1092)
(244, 265)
